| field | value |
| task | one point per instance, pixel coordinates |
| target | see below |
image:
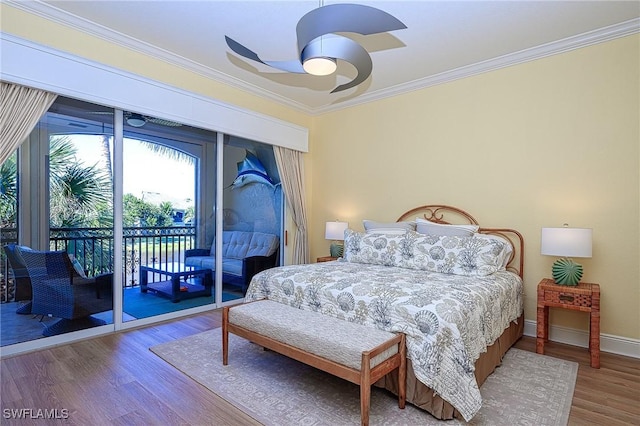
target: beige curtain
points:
(20, 109)
(291, 171)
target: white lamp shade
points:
(566, 242)
(335, 230)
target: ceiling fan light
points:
(320, 66)
(136, 120)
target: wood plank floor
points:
(607, 396)
(116, 380)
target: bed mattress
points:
(450, 320)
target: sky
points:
(145, 172)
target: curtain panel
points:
(291, 169)
(20, 109)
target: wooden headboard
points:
(452, 215)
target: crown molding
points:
(538, 52)
(600, 35)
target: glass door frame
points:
(33, 196)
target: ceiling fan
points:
(135, 119)
(319, 47)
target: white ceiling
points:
(444, 40)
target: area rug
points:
(528, 389)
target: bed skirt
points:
(423, 397)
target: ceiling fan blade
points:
(241, 50)
(352, 18)
(343, 48)
(288, 66)
(162, 122)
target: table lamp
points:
(566, 242)
(335, 231)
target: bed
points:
(453, 288)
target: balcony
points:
(94, 249)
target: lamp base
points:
(566, 272)
(336, 249)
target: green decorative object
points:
(336, 249)
(566, 272)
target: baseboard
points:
(570, 336)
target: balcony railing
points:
(7, 236)
(94, 248)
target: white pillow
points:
(371, 227)
(505, 254)
(427, 227)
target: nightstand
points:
(326, 259)
(584, 297)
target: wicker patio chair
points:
(21, 278)
(57, 294)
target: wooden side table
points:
(326, 259)
(585, 297)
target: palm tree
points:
(8, 224)
(167, 151)
(106, 155)
(77, 192)
(8, 199)
(78, 197)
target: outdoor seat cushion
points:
(236, 247)
(235, 244)
(242, 244)
(262, 244)
(200, 261)
(232, 266)
(229, 266)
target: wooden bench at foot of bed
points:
(353, 352)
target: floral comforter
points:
(449, 320)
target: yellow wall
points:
(534, 145)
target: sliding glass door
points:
(162, 208)
(146, 215)
(63, 196)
